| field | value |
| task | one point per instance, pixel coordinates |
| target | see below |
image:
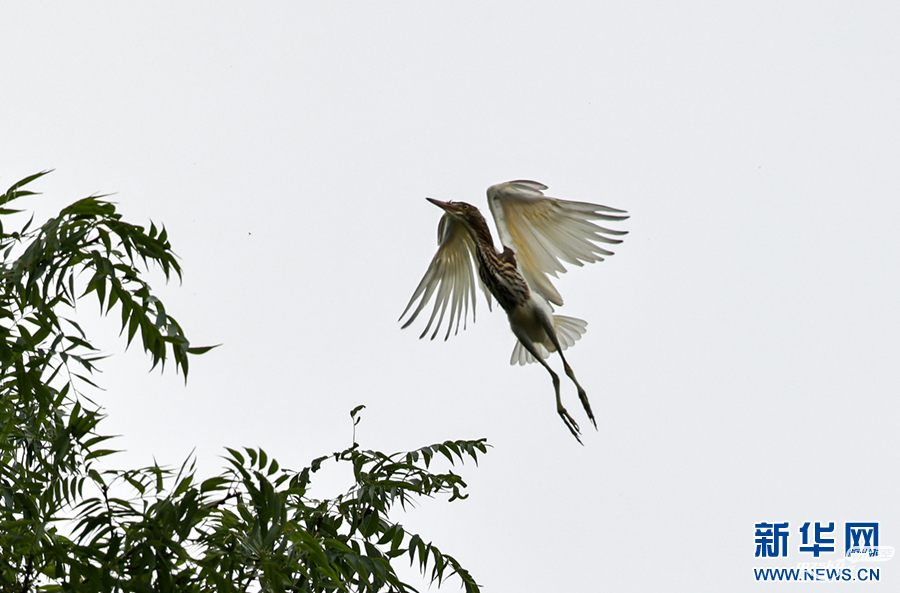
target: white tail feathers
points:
(568, 331)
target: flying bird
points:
(537, 234)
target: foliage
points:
(69, 524)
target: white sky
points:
(742, 352)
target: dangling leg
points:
(582, 395)
(563, 413)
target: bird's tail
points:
(568, 331)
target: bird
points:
(537, 234)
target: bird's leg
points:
(563, 413)
(582, 394)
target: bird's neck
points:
(482, 234)
(498, 270)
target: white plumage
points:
(542, 231)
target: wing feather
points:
(544, 232)
(449, 279)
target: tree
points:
(70, 524)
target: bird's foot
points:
(570, 424)
(582, 395)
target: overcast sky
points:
(743, 343)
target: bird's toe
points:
(570, 424)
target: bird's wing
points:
(544, 231)
(450, 279)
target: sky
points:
(743, 343)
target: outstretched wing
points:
(544, 231)
(450, 279)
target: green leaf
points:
(100, 453)
(213, 484)
(201, 349)
(236, 455)
(14, 192)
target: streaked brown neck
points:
(497, 270)
(482, 234)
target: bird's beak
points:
(447, 206)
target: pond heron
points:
(537, 234)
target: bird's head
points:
(460, 210)
(469, 216)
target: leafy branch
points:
(68, 525)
